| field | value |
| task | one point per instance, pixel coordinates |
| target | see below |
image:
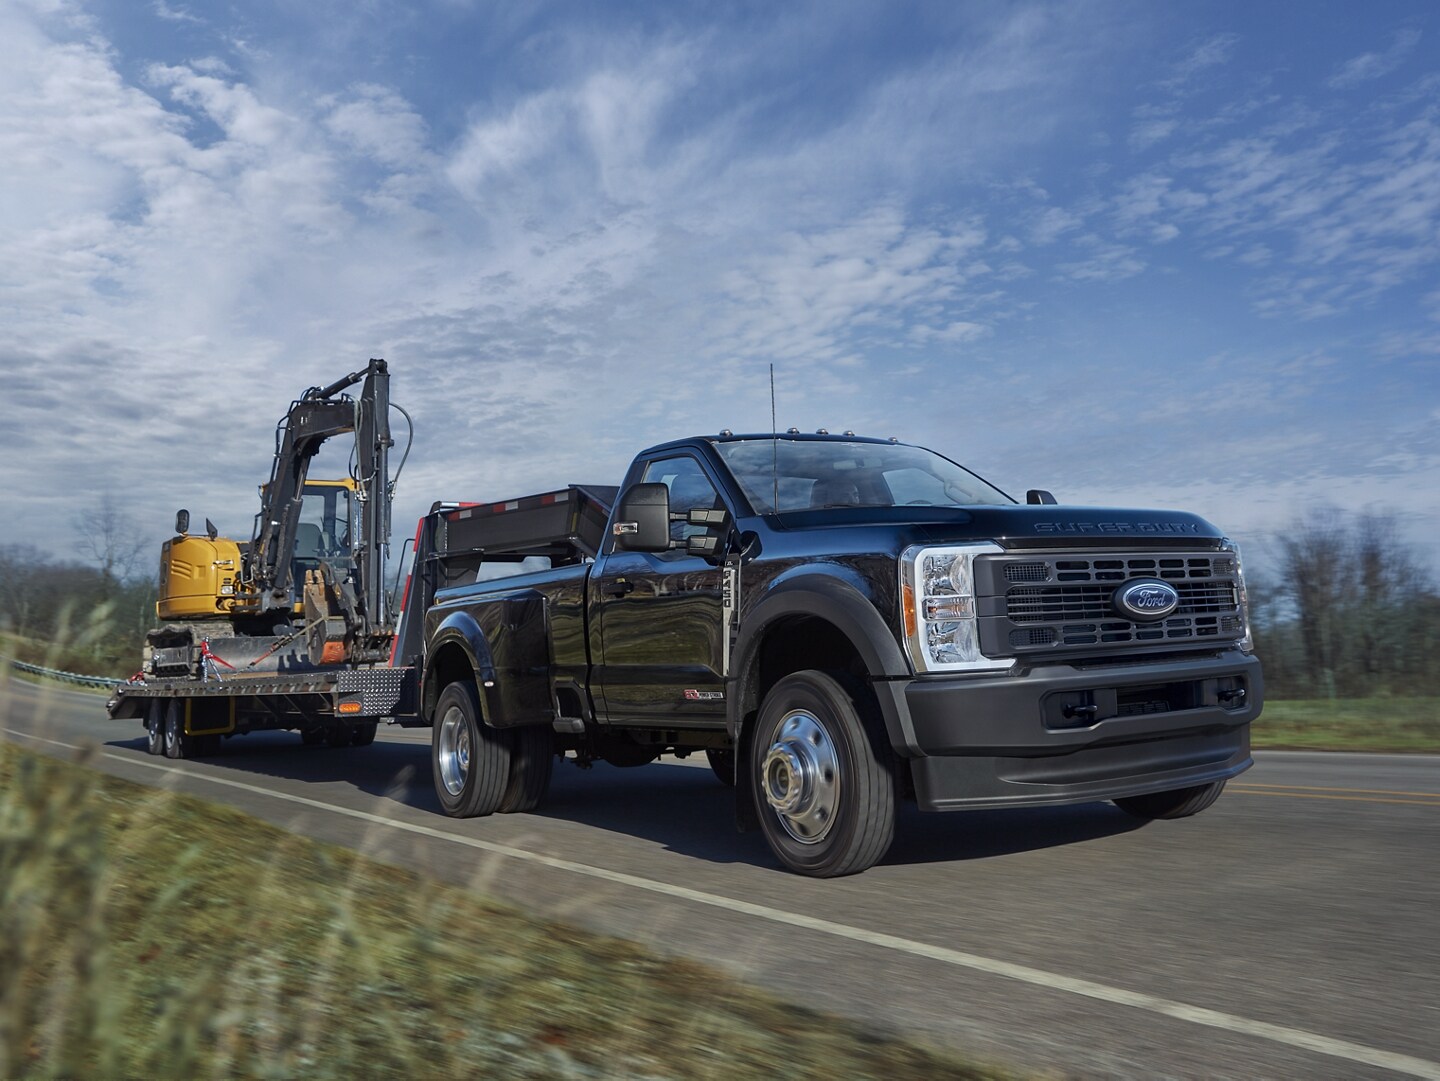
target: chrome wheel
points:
(453, 750)
(800, 777)
(822, 775)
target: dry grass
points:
(1350, 724)
(144, 933)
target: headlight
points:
(937, 590)
(1247, 640)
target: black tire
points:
(362, 733)
(1181, 803)
(532, 759)
(312, 737)
(824, 775)
(722, 763)
(155, 726)
(339, 735)
(177, 743)
(470, 761)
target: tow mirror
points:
(182, 522)
(643, 524)
(1039, 497)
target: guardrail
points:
(66, 677)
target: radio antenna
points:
(774, 444)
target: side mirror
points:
(1039, 497)
(182, 522)
(643, 521)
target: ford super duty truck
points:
(839, 624)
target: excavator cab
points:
(327, 517)
(198, 574)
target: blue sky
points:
(1184, 255)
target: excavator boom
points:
(317, 415)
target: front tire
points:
(824, 775)
(470, 760)
(1181, 803)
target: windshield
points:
(812, 474)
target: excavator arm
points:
(319, 414)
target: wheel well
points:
(795, 643)
(451, 663)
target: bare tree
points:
(1361, 605)
(110, 537)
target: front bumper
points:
(1072, 734)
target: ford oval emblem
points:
(1145, 600)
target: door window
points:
(690, 489)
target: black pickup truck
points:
(839, 623)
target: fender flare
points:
(457, 629)
(843, 605)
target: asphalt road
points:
(1291, 931)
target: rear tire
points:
(1181, 803)
(722, 764)
(312, 737)
(824, 775)
(155, 726)
(363, 734)
(532, 758)
(339, 735)
(177, 743)
(470, 760)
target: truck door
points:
(660, 617)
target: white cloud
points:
(1368, 66)
(1213, 52)
(1102, 262)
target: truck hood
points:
(1018, 525)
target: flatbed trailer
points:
(222, 694)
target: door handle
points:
(619, 588)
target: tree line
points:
(85, 615)
(1347, 610)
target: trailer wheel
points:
(1181, 803)
(339, 735)
(532, 759)
(722, 764)
(177, 743)
(155, 726)
(824, 775)
(312, 737)
(362, 734)
(469, 759)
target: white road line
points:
(1199, 1015)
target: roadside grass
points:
(146, 933)
(1349, 724)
